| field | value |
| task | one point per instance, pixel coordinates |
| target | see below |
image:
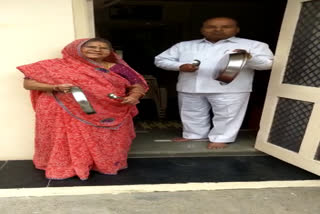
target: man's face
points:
(219, 28)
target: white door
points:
(290, 123)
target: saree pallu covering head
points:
(69, 142)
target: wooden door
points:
(290, 123)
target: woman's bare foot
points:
(213, 145)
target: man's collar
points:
(231, 39)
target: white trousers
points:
(228, 113)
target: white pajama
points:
(228, 110)
(199, 92)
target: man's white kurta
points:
(202, 81)
(198, 91)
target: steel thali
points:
(81, 98)
(231, 65)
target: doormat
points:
(22, 174)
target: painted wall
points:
(30, 31)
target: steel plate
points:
(231, 64)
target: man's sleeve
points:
(169, 59)
(262, 57)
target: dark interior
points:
(143, 29)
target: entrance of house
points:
(139, 30)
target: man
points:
(199, 92)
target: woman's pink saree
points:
(66, 146)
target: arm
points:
(135, 92)
(169, 60)
(261, 57)
(30, 84)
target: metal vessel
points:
(233, 64)
(81, 98)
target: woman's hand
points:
(131, 100)
(65, 88)
(134, 92)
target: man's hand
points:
(243, 51)
(188, 68)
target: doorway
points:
(142, 29)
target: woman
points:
(68, 141)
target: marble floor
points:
(154, 140)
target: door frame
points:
(83, 18)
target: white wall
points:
(29, 31)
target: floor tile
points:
(21, 174)
(156, 142)
(2, 163)
(185, 170)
